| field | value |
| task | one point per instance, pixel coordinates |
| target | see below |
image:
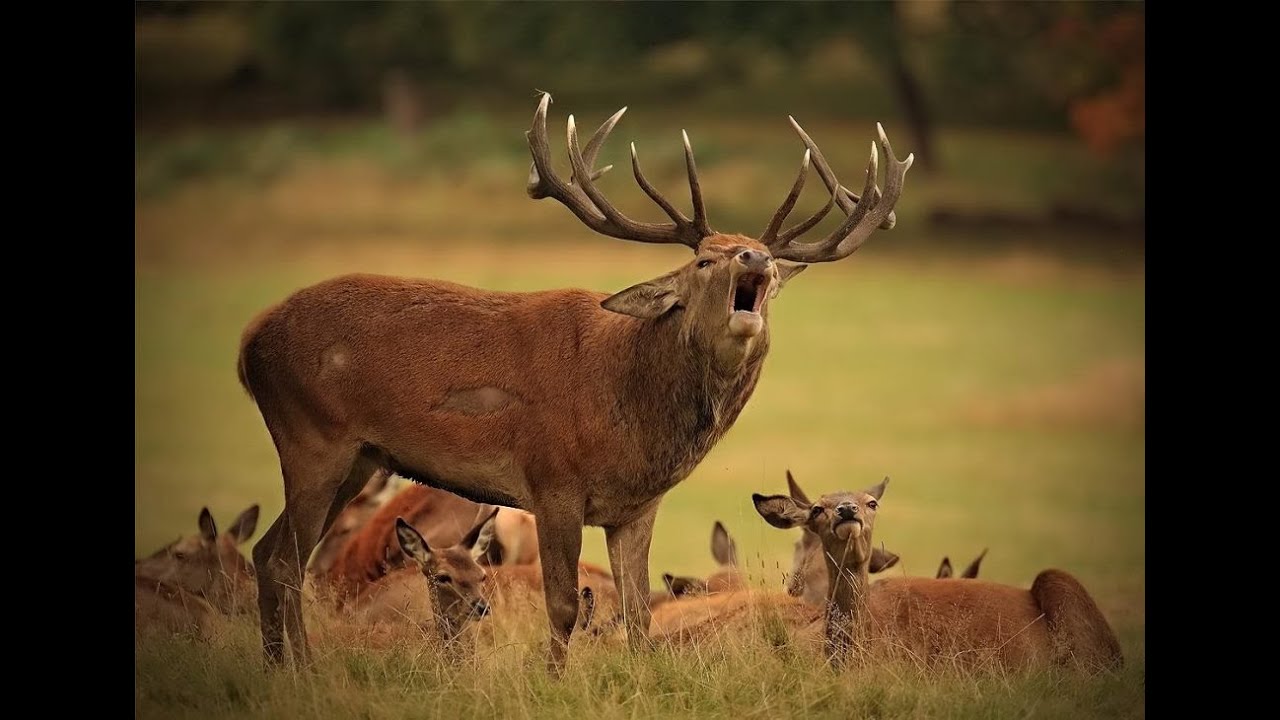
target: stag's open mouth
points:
(748, 292)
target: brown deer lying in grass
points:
(380, 488)
(808, 576)
(582, 407)
(973, 623)
(442, 518)
(182, 584)
(728, 578)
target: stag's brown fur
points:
(579, 407)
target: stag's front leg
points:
(629, 558)
(560, 544)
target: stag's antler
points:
(873, 209)
(585, 201)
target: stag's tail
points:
(1080, 633)
(246, 340)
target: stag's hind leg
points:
(318, 484)
(270, 611)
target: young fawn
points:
(181, 585)
(979, 622)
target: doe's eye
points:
(873, 504)
(815, 511)
(444, 579)
(704, 263)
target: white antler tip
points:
(906, 164)
(880, 131)
(633, 149)
(805, 162)
(685, 135)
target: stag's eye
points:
(704, 263)
(873, 504)
(179, 555)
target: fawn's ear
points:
(944, 570)
(723, 548)
(882, 560)
(972, 570)
(647, 300)
(781, 511)
(478, 539)
(208, 530)
(242, 529)
(412, 543)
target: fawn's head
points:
(842, 522)
(454, 575)
(206, 563)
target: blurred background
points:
(987, 354)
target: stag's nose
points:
(754, 259)
(480, 607)
(847, 511)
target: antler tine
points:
(590, 205)
(872, 211)
(770, 234)
(676, 216)
(844, 196)
(695, 190)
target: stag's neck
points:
(680, 397)
(847, 613)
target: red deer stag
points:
(1056, 621)
(581, 407)
(179, 585)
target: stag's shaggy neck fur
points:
(681, 398)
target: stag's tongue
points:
(745, 324)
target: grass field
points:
(1000, 384)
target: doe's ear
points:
(882, 560)
(944, 570)
(781, 511)
(208, 530)
(647, 300)
(242, 529)
(794, 488)
(972, 570)
(723, 548)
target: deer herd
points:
(519, 418)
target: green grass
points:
(1002, 388)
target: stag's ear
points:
(477, 540)
(412, 543)
(781, 511)
(877, 491)
(723, 548)
(242, 529)
(208, 530)
(647, 300)
(786, 271)
(972, 570)
(882, 560)
(794, 488)
(944, 570)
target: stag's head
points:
(721, 296)
(454, 575)
(842, 522)
(207, 563)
